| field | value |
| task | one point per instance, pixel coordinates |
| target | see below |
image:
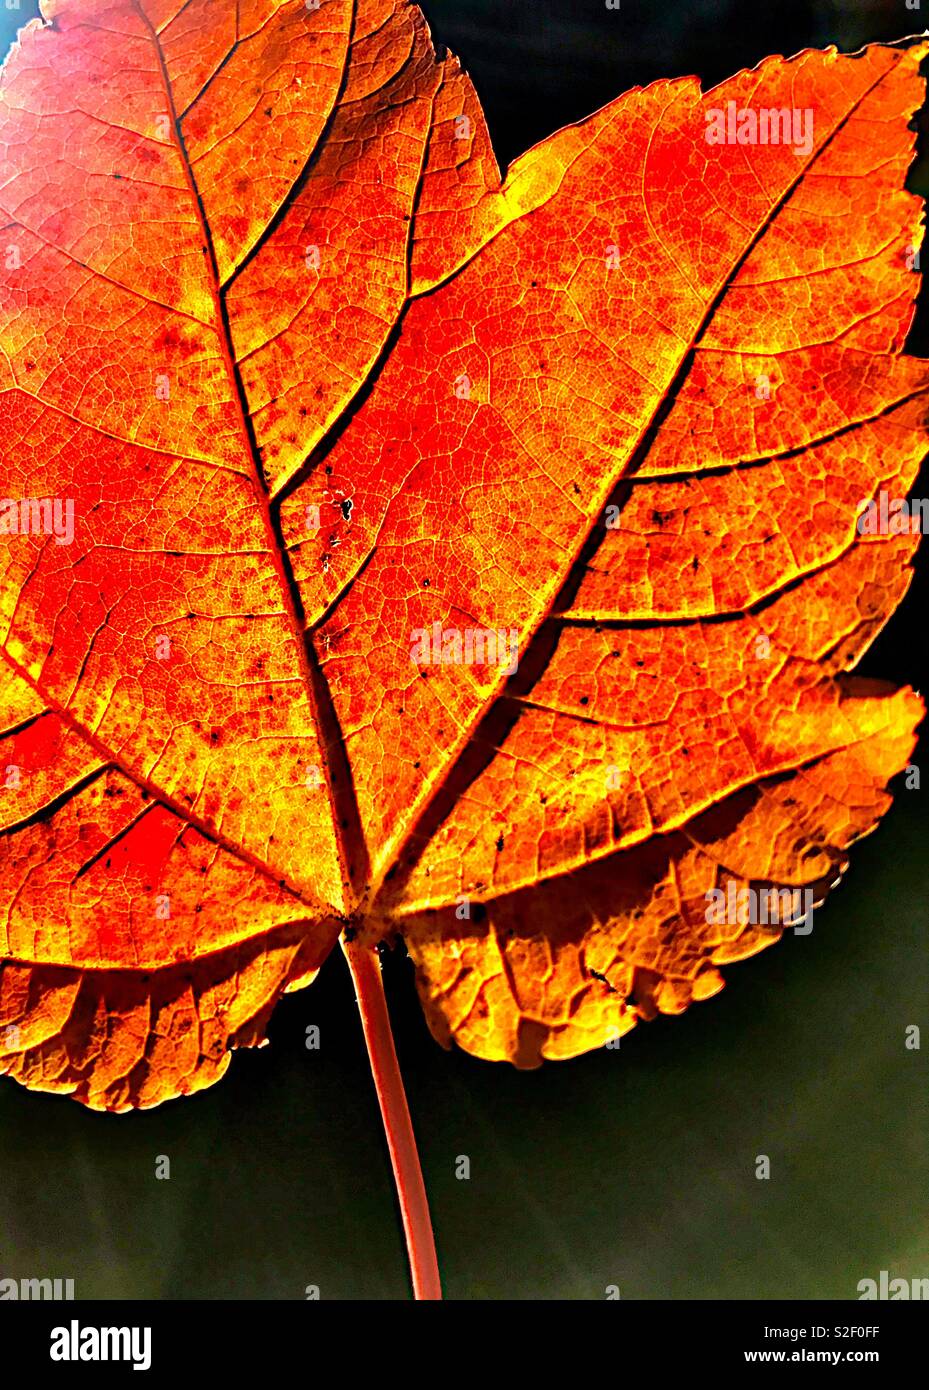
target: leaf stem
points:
(395, 1113)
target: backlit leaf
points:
(390, 549)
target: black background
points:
(633, 1167)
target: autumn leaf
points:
(389, 550)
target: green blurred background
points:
(633, 1167)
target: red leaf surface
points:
(389, 550)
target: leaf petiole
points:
(398, 1126)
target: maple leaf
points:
(392, 550)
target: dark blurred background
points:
(634, 1167)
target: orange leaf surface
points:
(303, 409)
